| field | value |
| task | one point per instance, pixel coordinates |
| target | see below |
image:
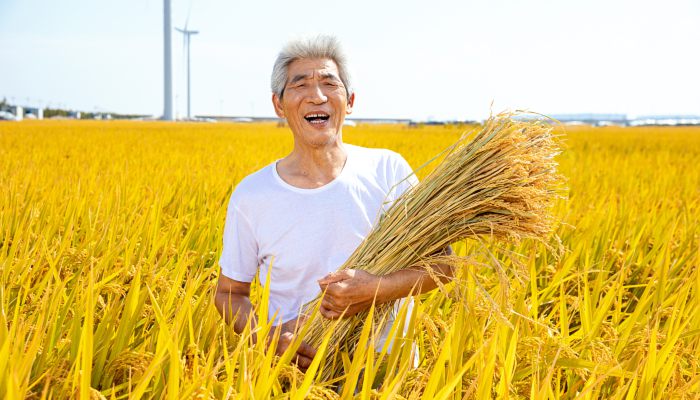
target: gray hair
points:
(321, 46)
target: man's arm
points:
(353, 291)
(232, 299)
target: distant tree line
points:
(59, 112)
(55, 112)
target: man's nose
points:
(317, 96)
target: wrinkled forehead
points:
(312, 68)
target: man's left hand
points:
(347, 292)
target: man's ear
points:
(277, 103)
(351, 102)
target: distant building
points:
(6, 116)
(35, 112)
(592, 119)
(380, 120)
(624, 120)
(665, 120)
(19, 113)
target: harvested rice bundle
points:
(500, 182)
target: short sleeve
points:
(402, 177)
(239, 256)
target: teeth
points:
(316, 115)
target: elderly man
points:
(303, 215)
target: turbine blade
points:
(189, 11)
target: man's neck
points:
(312, 167)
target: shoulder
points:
(255, 181)
(375, 156)
(254, 187)
(383, 165)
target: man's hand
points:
(305, 353)
(347, 292)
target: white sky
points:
(409, 59)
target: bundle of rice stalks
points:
(500, 182)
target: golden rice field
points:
(110, 234)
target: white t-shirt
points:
(306, 234)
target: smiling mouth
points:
(317, 118)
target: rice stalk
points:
(500, 182)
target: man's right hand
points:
(305, 353)
(232, 298)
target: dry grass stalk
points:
(500, 182)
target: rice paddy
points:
(110, 234)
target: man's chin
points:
(322, 139)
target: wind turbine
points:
(167, 64)
(186, 35)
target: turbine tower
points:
(186, 35)
(167, 64)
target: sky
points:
(421, 60)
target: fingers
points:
(336, 300)
(330, 278)
(332, 307)
(306, 350)
(302, 361)
(331, 302)
(334, 277)
(305, 355)
(339, 296)
(283, 342)
(329, 313)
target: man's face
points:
(314, 101)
